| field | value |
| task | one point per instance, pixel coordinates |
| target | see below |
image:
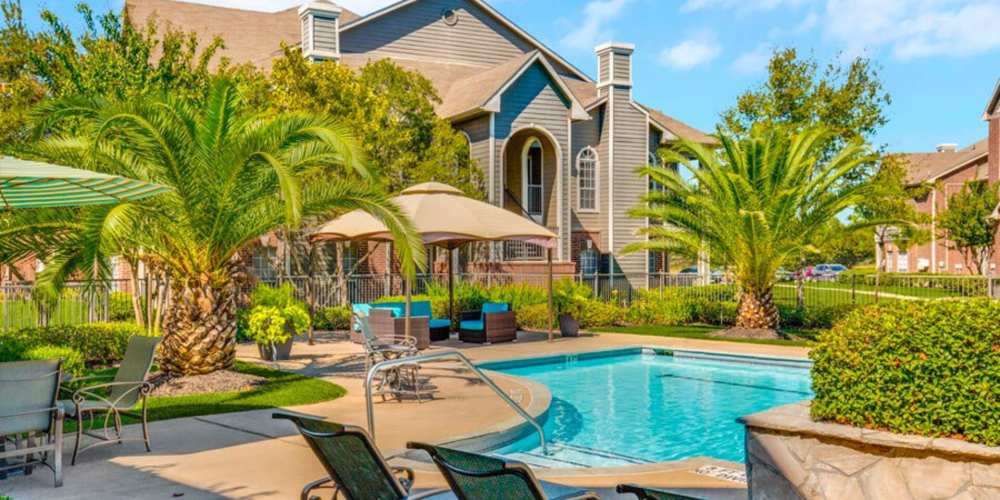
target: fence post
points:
(854, 289)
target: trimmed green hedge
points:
(99, 343)
(72, 360)
(332, 318)
(928, 368)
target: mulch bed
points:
(220, 381)
(749, 333)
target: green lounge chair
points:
(113, 399)
(478, 477)
(29, 413)
(650, 493)
(356, 469)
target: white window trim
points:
(524, 178)
(597, 181)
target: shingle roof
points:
(678, 128)
(250, 36)
(930, 166)
(993, 107)
(472, 92)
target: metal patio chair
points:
(113, 399)
(31, 419)
(356, 468)
(650, 493)
(479, 477)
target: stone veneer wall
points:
(791, 457)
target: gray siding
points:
(604, 68)
(417, 30)
(325, 38)
(533, 101)
(306, 34)
(623, 65)
(478, 130)
(631, 151)
(588, 133)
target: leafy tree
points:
(234, 175)
(757, 203)
(391, 110)
(845, 244)
(969, 225)
(849, 101)
(888, 209)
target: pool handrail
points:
(384, 365)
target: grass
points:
(702, 332)
(281, 389)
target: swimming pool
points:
(635, 406)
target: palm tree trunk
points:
(757, 310)
(200, 328)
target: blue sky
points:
(940, 59)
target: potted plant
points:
(274, 329)
(570, 299)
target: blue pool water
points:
(638, 408)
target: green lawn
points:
(281, 389)
(702, 332)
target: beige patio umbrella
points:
(445, 217)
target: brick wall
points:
(994, 148)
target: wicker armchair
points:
(493, 323)
(391, 329)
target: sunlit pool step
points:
(562, 455)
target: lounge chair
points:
(30, 414)
(650, 493)
(113, 399)
(354, 465)
(478, 477)
(494, 322)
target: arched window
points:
(532, 178)
(586, 167)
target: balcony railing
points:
(519, 251)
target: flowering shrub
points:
(270, 325)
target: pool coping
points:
(540, 394)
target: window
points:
(586, 167)
(532, 172)
(262, 265)
(589, 262)
(654, 161)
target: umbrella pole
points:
(409, 301)
(451, 289)
(548, 257)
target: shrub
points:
(714, 312)
(597, 313)
(929, 368)
(534, 317)
(332, 318)
(120, 307)
(280, 297)
(660, 307)
(99, 343)
(72, 360)
(270, 325)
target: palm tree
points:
(756, 203)
(235, 176)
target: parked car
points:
(826, 272)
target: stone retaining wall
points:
(790, 457)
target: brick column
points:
(994, 148)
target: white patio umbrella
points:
(445, 217)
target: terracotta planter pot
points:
(284, 351)
(568, 326)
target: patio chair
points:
(113, 399)
(650, 493)
(354, 464)
(494, 322)
(478, 477)
(30, 416)
(388, 322)
(399, 381)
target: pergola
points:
(443, 216)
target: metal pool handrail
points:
(384, 365)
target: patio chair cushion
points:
(398, 309)
(360, 310)
(494, 307)
(440, 323)
(471, 325)
(421, 309)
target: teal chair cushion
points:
(360, 310)
(398, 309)
(471, 325)
(440, 323)
(421, 309)
(494, 307)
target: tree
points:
(969, 225)
(845, 244)
(391, 110)
(889, 210)
(849, 101)
(759, 202)
(234, 176)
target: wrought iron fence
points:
(83, 301)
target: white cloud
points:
(358, 6)
(753, 61)
(743, 5)
(696, 50)
(914, 28)
(594, 28)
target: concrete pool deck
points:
(249, 455)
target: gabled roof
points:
(250, 36)
(346, 26)
(929, 167)
(993, 107)
(678, 128)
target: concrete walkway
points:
(250, 455)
